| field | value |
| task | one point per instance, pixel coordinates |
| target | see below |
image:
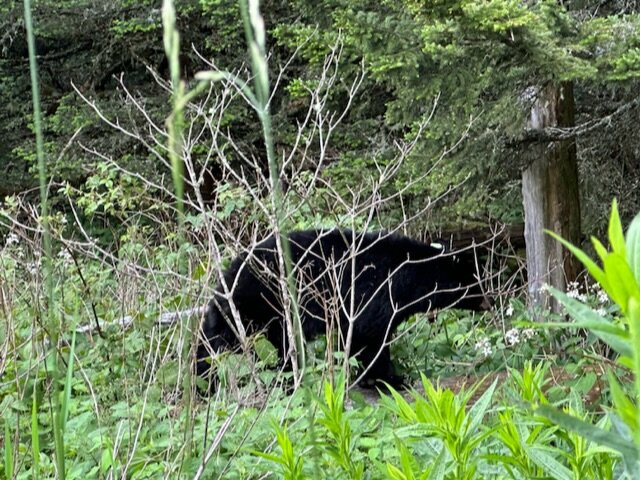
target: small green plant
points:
(290, 464)
(446, 416)
(619, 277)
(341, 445)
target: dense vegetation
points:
(168, 149)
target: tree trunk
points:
(550, 196)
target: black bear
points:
(375, 280)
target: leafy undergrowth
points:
(118, 410)
(126, 416)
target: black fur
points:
(395, 277)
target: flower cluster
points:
(514, 336)
(65, 256)
(12, 239)
(573, 291)
(13, 246)
(484, 346)
(592, 295)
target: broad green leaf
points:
(395, 473)
(401, 406)
(625, 408)
(439, 466)
(633, 247)
(634, 328)
(619, 342)
(479, 409)
(622, 431)
(626, 362)
(616, 234)
(619, 427)
(549, 464)
(599, 248)
(609, 439)
(406, 459)
(269, 456)
(586, 315)
(616, 337)
(596, 272)
(621, 282)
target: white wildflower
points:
(573, 290)
(484, 346)
(601, 311)
(509, 311)
(602, 296)
(512, 337)
(12, 239)
(33, 267)
(65, 256)
(528, 333)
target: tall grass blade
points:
(35, 438)
(8, 452)
(46, 233)
(256, 34)
(64, 408)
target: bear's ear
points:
(440, 245)
(437, 245)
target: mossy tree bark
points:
(551, 196)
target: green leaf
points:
(8, 452)
(549, 464)
(596, 272)
(269, 456)
(599, 248)
(400, 406)
(616, 337)
(634, 328)
(35, 436)
(621, 282)
(609, 439)
(406, 460)
(625, 408)
(439, 466)
(67, 385)
(395, 473)
(616, 234)
(479, 409)
(633, 247)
